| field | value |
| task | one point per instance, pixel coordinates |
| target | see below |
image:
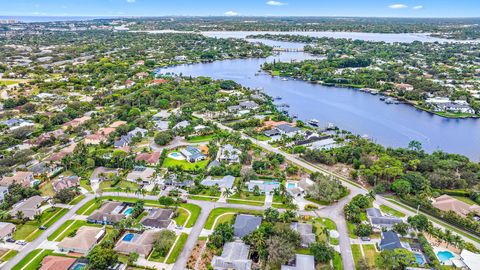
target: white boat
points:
(313, 122)
(284, 79)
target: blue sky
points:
(376, 8)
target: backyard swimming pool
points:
(128, 237)
(79, 266)
(445, 255)
(176, 156)
(291, 185)
(419, 258)
(129, 211)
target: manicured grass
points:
(202, 198)
(316, 201)
(177, 249)
(363, 216)
(8, 255)
(370, 254)
(123, 184)
(72, 225)
(253, 203)
(262, 137)
(77, 199)
(29, 231)
(337, 261)
(182, 217)
(330, 224)
(465, 200)
(47, 189)
(185, 165)
(89, 207)
(218, 211)
(204, 138)
(390, 211)
(226, 218)
(194, 211)
(334, 241)
(357, 254)
(248, 196)
(85, 185)
(304, 251)
(351, 229)
(32, 261)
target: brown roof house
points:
(149, 158)
(109, 213)
(30, 207)
(134, 242)
(76, 122)
(6, 230)
(448, 203)
(157, 218)
(57, 263)
(101, 173)
(66, 182)
(143, 174)
(83, 241)
(24, 178)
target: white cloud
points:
(398, 6)
(417, 7)
(230, 13)
(276, 3)
(131, 1)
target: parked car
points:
(365, 238)
(10, 240)
(21, 242)
(42, 227)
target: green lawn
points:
(370, 254)
(185, 165)
(388, 210)
(77, 199)
(32, 261)
(47, 189)
(29, 231)
(218, 211)
(123, 184)
(465, 200)
(195, 212)
(8, 255)
(334, 241)
(337, 261)
(61, 233)
(8, 82)
(357, 254)
(177, 249)
(253, 203)
(351, 229)
(226, 218)
(88, 208)
(204, 138)
(85, 185)
(202, 198)
(248, 196)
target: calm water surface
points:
(349, 109)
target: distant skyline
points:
(356, 8)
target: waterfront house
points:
(234, 256)
(245, 224)
(84, 240)
(249, 105)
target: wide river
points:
(349, 109)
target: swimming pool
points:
(79, 266)
(419, 258)
(128, 237)
(176, 156)
(129, 211)
(445, 255)
(291, 185)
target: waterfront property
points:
(83, 241)
(245, 224)
(234, 256)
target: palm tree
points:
(227, 192)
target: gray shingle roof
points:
(390, 240)
(234, 256)
(245, 224)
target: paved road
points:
(43, 237)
